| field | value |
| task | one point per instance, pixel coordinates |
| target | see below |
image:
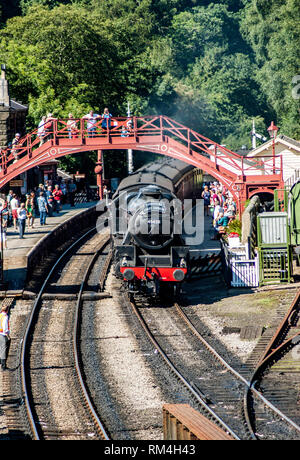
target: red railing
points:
(67, 131)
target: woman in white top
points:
(22, 215)
(41, 130)
(72, 126)
(217, 210)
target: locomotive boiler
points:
(150, 253)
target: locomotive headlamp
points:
(128, 274)
(182, 263)
(178, 275)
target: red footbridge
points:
(244, 177)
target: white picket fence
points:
(243, 271)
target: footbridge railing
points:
(133, 132)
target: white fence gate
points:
(241, 270)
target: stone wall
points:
(4, 125)
(250, 213)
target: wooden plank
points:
(251, 332)
(198, 426)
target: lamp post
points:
(272, 130)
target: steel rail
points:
(269, 354)
(209, 347)
(221, 360)
(285, 323)
(76, 339)
(179, 375)
(30, 417)
(250, 385)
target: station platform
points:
(208, 246)
(15, 261)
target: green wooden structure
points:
(281, 199)
(294, 211)
(274, 248)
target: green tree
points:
(207, 72)
(212, 65)
(273, 30)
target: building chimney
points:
(4, 94)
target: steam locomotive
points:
(151, 255)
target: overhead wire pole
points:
(129, 151)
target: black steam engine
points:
(150, 253)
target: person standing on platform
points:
(9, 198)
(50, 201)
(71, 190)
(206, 198)
(22, 215)
(14, 205)
(15, 146)
(43, 208)
(29, 205)
(4, 335)
(57, 193)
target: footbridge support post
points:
(99, 171)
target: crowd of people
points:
(45, 200)
(45, 128)
(219, 204)
(46, 124)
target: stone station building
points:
(12, 113)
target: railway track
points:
(186, 361)
(229, 402)
(50, 350)
(276, 378)
(263, 407)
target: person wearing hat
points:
(4, 335)
(15, 145)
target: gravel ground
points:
(126, 379)
(220, 308)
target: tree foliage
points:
(273, 30)
(212, 65)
